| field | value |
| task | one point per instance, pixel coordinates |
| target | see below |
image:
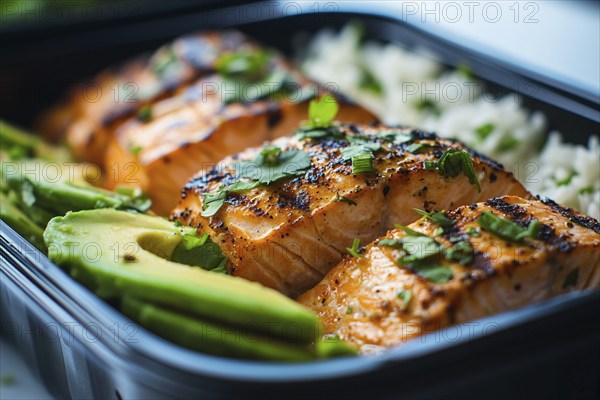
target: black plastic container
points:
(82, 347)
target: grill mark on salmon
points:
(309, 203)
(524, 272)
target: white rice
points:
(416, 90)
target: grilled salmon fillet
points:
(378, 299)
(288, 234)
(162, 118)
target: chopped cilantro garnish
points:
(200, 252)
(571, 279)
(507, 143)
(362, 163)
(484, 131)
(396, 243)
(145, 113)
(587, 190)
(212, 202)
(262, 169)
(507, 229)
(437, 217)
(461, 251)
(428, 105)
(565, 181)
(419, 248)
(271, 155)
(344, 199)
(361, 155)
(473, 232)
(321, 112)
(349, 310)
(452, 163)
(405, 296)
(416, 147)
(369, 83)
(433, 272)
(396, 137)
(408, 231)
(247, 65)
(354, 251)
(438, 231)
(136, 150)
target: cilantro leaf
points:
(405, 296)
(396, 137)
(507, 229)
(452, 163)
(261, 169)
(248, 65)
(419, 248)
(357, 150)
(212, 202)
(461, 252)
(354, 251)
(437, 217)
(200, 252)
(484, 131)
(433, 272)
(321, 112)
(416, 147)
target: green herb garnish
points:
(354, 251)
(200, 252)
(587, 190)
(361, 155)
(396, 137)
(437, 217)
(571, 279)
(321, 112)
(567, 180)
(349, 310)
(396, 243)
(473, 232)
(270, 166)
(507, 143)
(419, 248)
(461, 252)
(247, 65)
(145, 113)
(433, 272)
(452, 163)
(369, 83)
(484, 131)
(416, 147)
(408, 231)
(212, 202)
(344, 199)
(428, 105)
(507, 229)
(405, 296)
(136, 150)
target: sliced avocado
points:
(21, 223)
(127, 254)
(19, 144)
(210, 337)
(58, 188)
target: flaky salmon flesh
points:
(159, 119)
(289, 234)
(378, 300)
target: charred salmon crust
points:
(288, 234)
(380, 299)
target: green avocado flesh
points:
(123, 254)
(211, 337)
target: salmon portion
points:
(375, 300)
(289, 234)
(163, 118)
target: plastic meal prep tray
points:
(82, 347)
